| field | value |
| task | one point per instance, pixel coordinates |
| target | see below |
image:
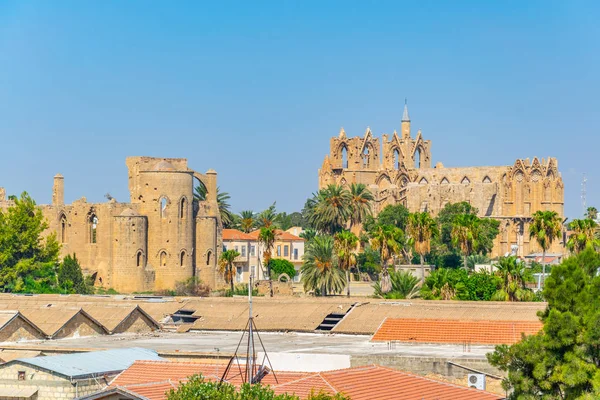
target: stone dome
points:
(164, 166)
(128, 212)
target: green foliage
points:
(27, 261)
(404, 286)
(396, 215)
(280, 266)
(267, 218)
(247, 220)
(583, 236)
(198, 388)
(308, 234)
(475, 259)
(329, 210)
(320, 269)
(459, 284)
(285, 221)
(241, 289)
(513, 274)
(192, 286)
(70, 278)
(369, 261)
(422, 229)
(563, 360)
(226, 267)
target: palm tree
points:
(422, 229)
(247, 220)
(584, 235)
(345, 245)
(284, 221)
(360, 203)
(226, 266)
(308, 234)
(513, 275)
(475, 259)
(320, 270)
(223, 198)
(440, 284)
(267, 218)
(386, 239)
(404, 286)
(591, 213)
(545, 227)
(329, 210)
(465, 234)
(266, 237)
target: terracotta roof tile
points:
(153, 379)
(234, 234)
(448, 331)
(380, 383)
(280, 235)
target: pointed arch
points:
(402, 181)
(183, 207)
(423, 181)
(343, 154)
(93, 222)
(63, 224)
(487, 179)
(139, 258)
(208, 257)
(163, 202)
(383, 180)
(162, 258)
(444, 181)
(465, 181)
(182, 258)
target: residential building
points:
(67, 376)
(287, 247)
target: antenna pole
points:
(250, 353)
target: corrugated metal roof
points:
(80, 365)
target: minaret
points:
(58, 190)
(405, 123)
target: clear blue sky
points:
(256, 89)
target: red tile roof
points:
(279, 235)
(153, 379)
(448, 331)
(379, 383)
(234, 234)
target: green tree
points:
(361, 199)
(475, 259)
(308, 234)
(297, 219)
(345, 246)
(545, 227)
(284, 221)
(583, 236)
(513, 276)
(368, 261)
(562, 361)
(267, 218)
(280, 266)
(266, 238)
(422, 229)
(387, 240)
(198, 388)
(329, 210)
(396, 215)
(70, 278)
(465, 234)
(320, 271)
(247, 221)
(24, 253)
(591, 213)
(404, 286)
(226, 266)
(227, 217)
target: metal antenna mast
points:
(252, 372)
(584, 194)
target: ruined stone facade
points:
(162, 236)
(403, 174)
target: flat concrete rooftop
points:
(224, 343)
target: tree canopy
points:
(562, 361)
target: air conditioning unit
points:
(477, 381)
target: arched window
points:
(163, 258)
(366, 156)
(182, 259)
(445, 181)
(396, 159)
(487, 180)
(418, 158)
(63, 228)
(423, 181)
(344, 157)
(93, 228)
(139, 258)
(208, 256)
(465, 181)
(182, 208)
(163, 207)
